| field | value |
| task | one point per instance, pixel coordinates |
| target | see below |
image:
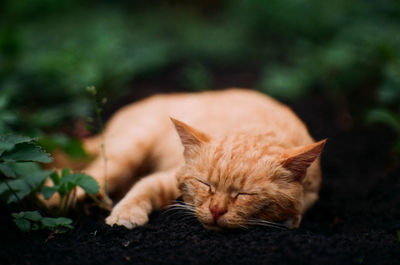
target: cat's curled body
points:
(237, 158)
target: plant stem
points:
(103, 154)
(73, 198)
(98, 105)
(102, 145)
(65, 207)
(60, 206)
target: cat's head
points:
(241, 180)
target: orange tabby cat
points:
(247, 160)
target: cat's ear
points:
(297, 160)
(191, 138)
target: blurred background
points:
(53, 54)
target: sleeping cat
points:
(237, 157)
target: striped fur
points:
(244, 154)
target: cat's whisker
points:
(244, 227)
(185, 203)
(185, 213)
(266, 223)
(182, 211)
(179, 204)
(179, 207)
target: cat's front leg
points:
(150, 193)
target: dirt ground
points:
(356, 220)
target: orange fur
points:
(247, 159)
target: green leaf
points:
(384, 116)
(31, 177)
(19, 188)
(88, 183)
(63, 224)
(7, 170)
(71, 146)
(75, 149)
(284, 83)
(55, 178)
(52, 142)
(27, 152)
(65, 172)
(64, 228)
(3, 188)
(63, 221)
(23, 224)
(48, 222)
(18, 215)
(32, 215)
(31, 173)
(7, 142)
(48, 192)
(68, 181)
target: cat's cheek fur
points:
(282, 207)
(192, 192)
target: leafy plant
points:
(24, 219)
(7, 117)
(65, 185)
(23, 178)
(387, 111)
(70, 145)
(34, 220)
(300, 45)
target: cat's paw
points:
(130, 217)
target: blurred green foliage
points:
(51, 50)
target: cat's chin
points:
(214, 227)
(219, 226)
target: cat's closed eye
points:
(242, 194)
(205, 184)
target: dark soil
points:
(356, 220)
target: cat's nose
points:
(217, 212)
